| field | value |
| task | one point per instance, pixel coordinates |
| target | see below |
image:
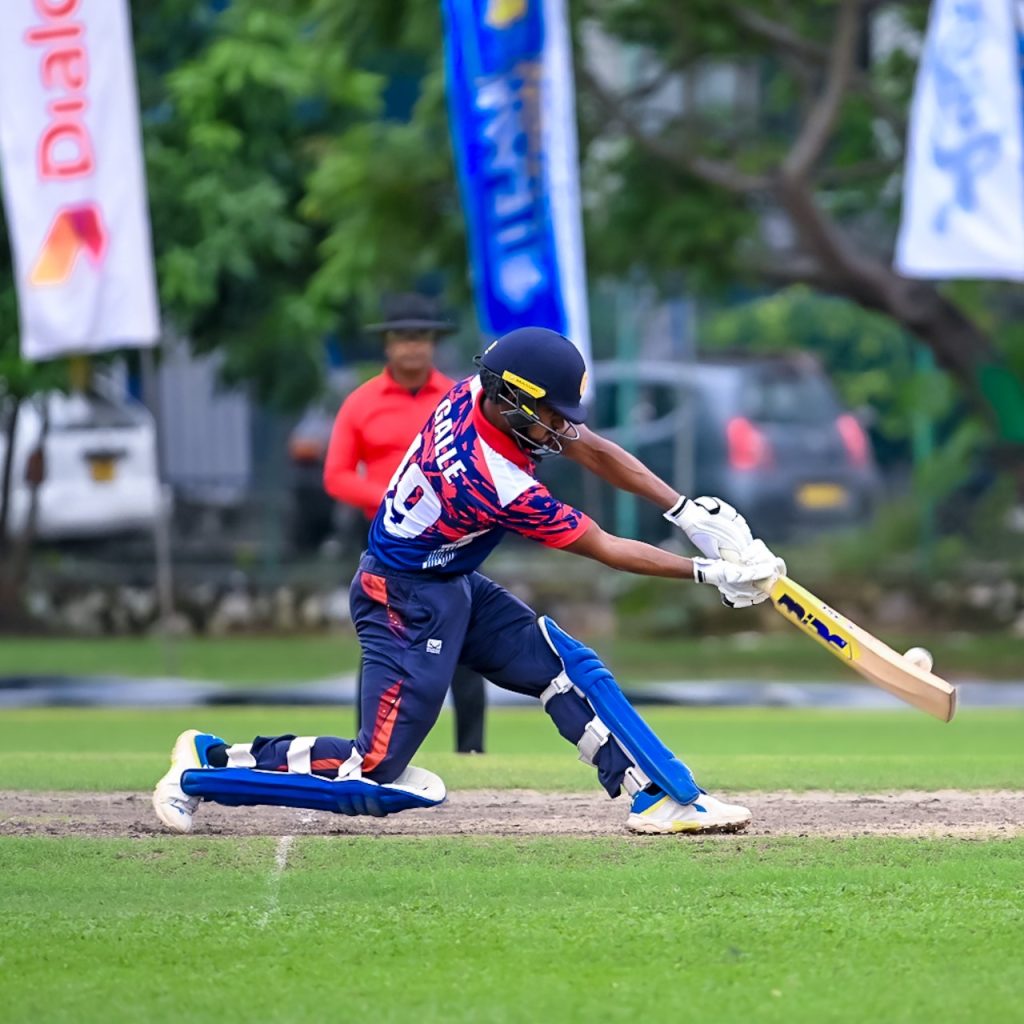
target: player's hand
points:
(758, 553)
(722, 573)
(744, 583)
(745, 595)
(715, 528)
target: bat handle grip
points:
(729, 555)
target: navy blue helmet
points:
(531, 365)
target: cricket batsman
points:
(420, 607)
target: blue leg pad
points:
(246, 787)
(591, 677)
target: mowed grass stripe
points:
(559, 773)
(475, 930)
(743, 749)
(779, 653)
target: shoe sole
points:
(651, 828)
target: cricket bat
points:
(864, 653)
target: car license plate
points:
(103, 470)
(821, 496)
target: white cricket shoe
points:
(173, 806)
(660, 814)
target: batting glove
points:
(714, 527)
(741, 584)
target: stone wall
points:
(585, 598)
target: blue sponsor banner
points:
(1019, 13)
(511, 111)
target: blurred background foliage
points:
(299, 165)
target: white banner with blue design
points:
(963, 187)
(513, 123)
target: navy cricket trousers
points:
(414, 629)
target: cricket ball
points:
(921, 657)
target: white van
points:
(100, 475)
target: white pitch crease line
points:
(284, 844)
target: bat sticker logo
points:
(808, 619)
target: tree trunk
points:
(35, 475)
(12, 615)
(959, 345)
(10, 425)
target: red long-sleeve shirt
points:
(372, 432)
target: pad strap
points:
(240, 756)
(634, 781)
(560, 684)
(594, 737)
(300, 752)
(352, 768)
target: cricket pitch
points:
(981, 814)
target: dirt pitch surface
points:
(986, 814)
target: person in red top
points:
(370, 437)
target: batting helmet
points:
(531, 365)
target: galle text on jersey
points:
(462, 484)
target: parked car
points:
(766, 433)
(99, 466)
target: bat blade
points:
(864, 653)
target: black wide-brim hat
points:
(411, 312)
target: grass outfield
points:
(205, 930)
(259, 660)
(744, 749)
(561, 929)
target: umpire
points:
(371, 434)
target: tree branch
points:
(781, 270)
(852, 173)
(719, 173)
(808, 51)
(779, 35)
(818, 127)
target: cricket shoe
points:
(657, 813)
(173, 806)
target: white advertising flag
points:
(73, 181)
(963, 186)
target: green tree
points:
(233, 130)
(809, 144)
(236, 107)
(867, 356)
(736, 140)
(916, 415)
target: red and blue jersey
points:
(461, 486)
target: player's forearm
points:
(631, 555)
(613, 464)
(646, 560)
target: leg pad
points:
(247, 787)
(591, 677)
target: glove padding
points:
(715, 528)
(744, 582)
